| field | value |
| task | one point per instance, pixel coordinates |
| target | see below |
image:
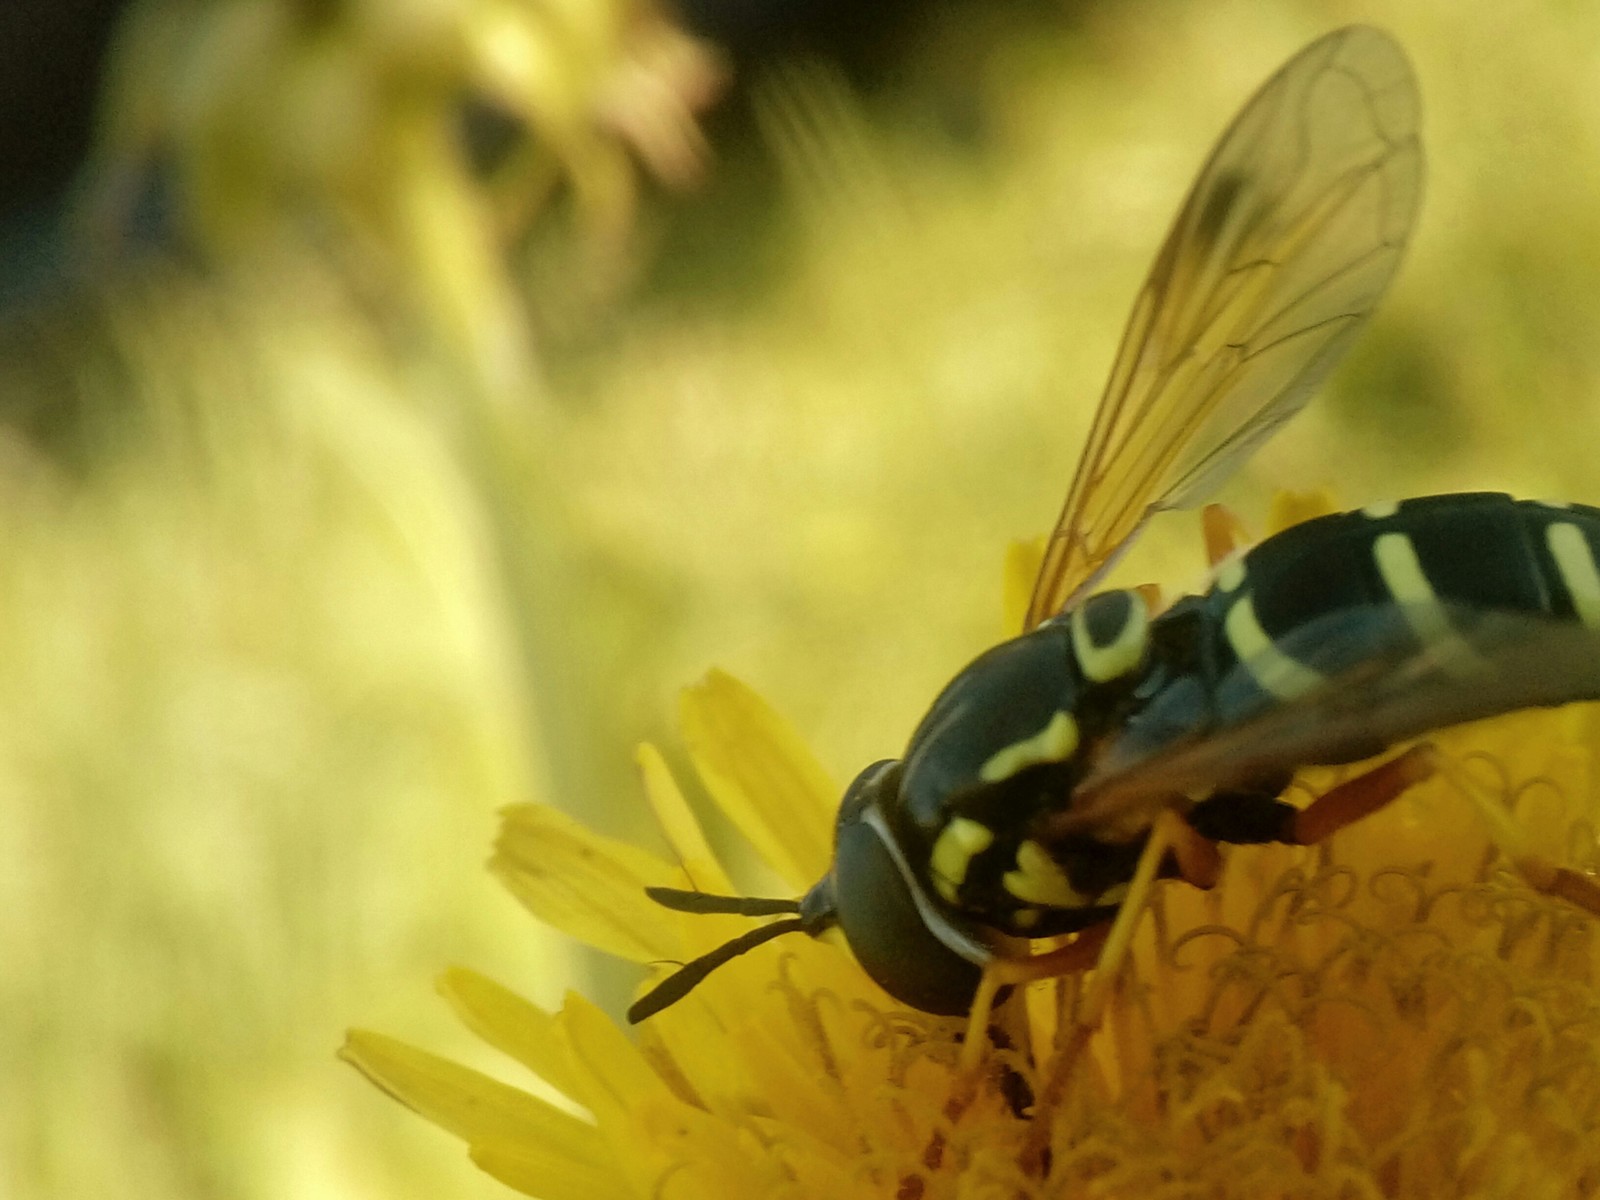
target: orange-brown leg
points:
(1077, 955)
(1572, 886)
(1151, 594)
(1542, 875)
(1362, 796)
(1197, 857)
(1359, 797)
(1223, 531)
(1103, 947)
(1198, 863)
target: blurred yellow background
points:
(437, 387)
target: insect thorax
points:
(1002, 748)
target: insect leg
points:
(1197, 862)
(1248, 816)
(1151, 592)
(1572, 886)
(1359, 797)
(1077, 955)
(1542, 875)
(1104, 946)
(1223, 531)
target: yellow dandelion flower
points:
(1391, 1014)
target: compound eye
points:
(886, 931)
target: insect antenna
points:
(704, 902)
(679, 984)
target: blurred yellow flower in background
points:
(417, 144)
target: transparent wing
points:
(1284, 246)
(1379, 686)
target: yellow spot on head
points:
(1038, 879)
(1379, 510)
(952, 853)
(1056, 742)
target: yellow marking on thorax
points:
(1575, 561)
(1038, 879)
(1273, 670)
(958, 843)
(1056, 742)
(1122, 653)
(1378, 510)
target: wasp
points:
(1110, 744)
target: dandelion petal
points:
(762, 776)
(678, 823)
(517, 1028)
(587, 886)
(469, 1104)
(533, 1170)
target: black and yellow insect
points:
(1061, 771)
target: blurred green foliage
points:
(417, 468)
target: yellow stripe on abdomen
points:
(1273, 670)
(1575, 562)
(1401, 569)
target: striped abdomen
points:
(1415, 566)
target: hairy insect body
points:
(994, 766)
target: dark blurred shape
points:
(52, 53)
(918, 65)
(63, 373)
(861, 35)
(490, 134)
(871, 41)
